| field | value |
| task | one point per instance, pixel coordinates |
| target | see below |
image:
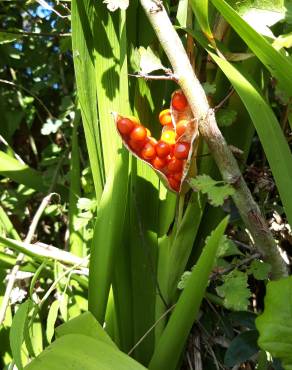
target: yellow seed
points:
(168, 136)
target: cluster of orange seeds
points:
(167, 155)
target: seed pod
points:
(173, 156)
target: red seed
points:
(148, 152)
(174, 184)
(175, 165)
(181, 150)
(139, 133)
(159, 163)
(177, 176)
(181, 127)
(125, 126)
(162, 149)
(179, 101)
(136, 146)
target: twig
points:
(243, 262)
(36, 34)
(41, 251)
(170, 77)
(30, 234)
(209, 130)
(218, 106)
(151, 328)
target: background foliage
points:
(63, 68)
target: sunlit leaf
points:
(216, 193)
(235, 291)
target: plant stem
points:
(209, 130)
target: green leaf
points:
(216, 194)
(242, 348)
(172, 341)
(259, 269)
(82, 48)
(23, 174)
(51, 320)
(17, 331)
(235, 291)
(209, 88)
(183, 280)
(227, 248)
(275, 323)
(77, 351)
(84, 324)
(200, 9)
(244, 319)
(226, 116)
(6, 37)
(262, 19)
(149, 61)
(279, 65)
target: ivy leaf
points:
(260, 270)
(209, 89)
(183, 280)
(216, 193)
(225, 117)
(149, 61)
(227, 248)
(234, 291)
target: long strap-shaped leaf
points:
(172, 341)
(82, 44)
(111, 75)
(279, 65)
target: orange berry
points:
(181, 150)
(175, 165)
(125, 126)
(179, 101)
(159, 163)
(181, 127)
(148, 152)
(165, 117)
(168, 136)
(139, 133)
(162, 149)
